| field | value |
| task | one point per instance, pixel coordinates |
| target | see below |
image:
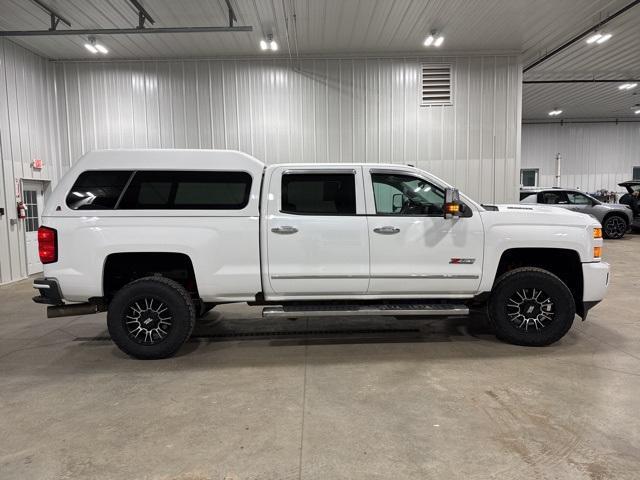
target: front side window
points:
(576, 198)
(97, 189)
(319, 193)
(187, 190)
(397, 194)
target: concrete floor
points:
(324, 399)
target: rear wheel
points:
(614, 226)
(531, 306)
(151, 317)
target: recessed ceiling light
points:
(428, 41)
(627, 86)
(592, 38)
(604, 38)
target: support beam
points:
(56, 18)
(232, 14)
(143, 15)
(581, 35)
(124, 31)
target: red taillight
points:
(47, 245)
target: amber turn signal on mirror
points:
(452, 208)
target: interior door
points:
(33, 197)
(316, 233)
(414, 250)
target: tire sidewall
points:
(559, 294)
(175, 300)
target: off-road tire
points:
(523, 279)
(161, 289)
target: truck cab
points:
(159, 237)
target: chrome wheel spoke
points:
(148, 321)
(530, 308)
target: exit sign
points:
(37, 164)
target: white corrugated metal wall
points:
(27, 132)
(328, 110)
(594, 155)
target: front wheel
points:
(614, 227)
(532, 307)
(151, 317)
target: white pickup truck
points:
(159, 237)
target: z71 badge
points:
(465, 261)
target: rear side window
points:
(187, 191)
(319, 193)
(97, 190)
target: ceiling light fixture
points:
(627, 86)
(91, 48)
(269, 43)
(94, 47)
(593, 38)
(603, 38)
(433, 39)
(555, 112)
(637, 112)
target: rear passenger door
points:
(316, 236)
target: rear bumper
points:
(49, 290)
(595, 281)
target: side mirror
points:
(452, 205)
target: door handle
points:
(387, 230)
(284, 230)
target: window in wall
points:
(187, 190)
(636, 173)
(31, 204)
(97, 189)
(529, 177)
(396, 194)
(319, 193)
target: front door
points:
(33, 198)
(414, 249)
(316, 236)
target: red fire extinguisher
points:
(22, 210)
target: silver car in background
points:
(614, 217)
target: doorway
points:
(33, 198)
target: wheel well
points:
(615, 214)
(563, 263)
(122, 268)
